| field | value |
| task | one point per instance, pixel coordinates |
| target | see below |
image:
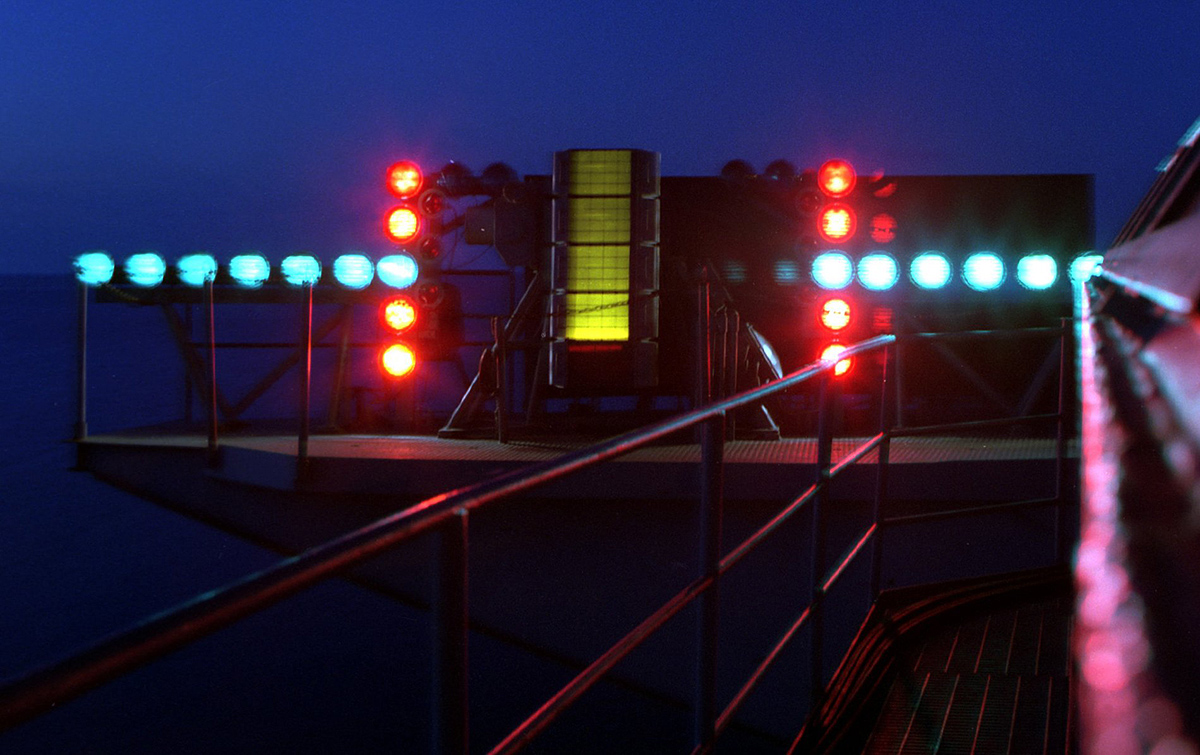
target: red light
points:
(836, 223)
(835, 314)
(836, 178)
(398, 360)
(831, 353)
(883, 228)
(399, 314)
(402, 224)
(404, 179)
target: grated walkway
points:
(998, 683)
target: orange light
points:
(835, 314)
(831, 353)
(402, 224)
(837, 222)
(404, 179)
(399, 314)
(836, 178)
(398, 360)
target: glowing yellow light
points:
(398, 360)
(599, 233)
(403, 224)
(399, 314)
(836, 223)
(835, 314)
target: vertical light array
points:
(604, 268)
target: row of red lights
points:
(835, 223)
(402, 224)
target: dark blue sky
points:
(231, 125)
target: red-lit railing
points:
(449, 515)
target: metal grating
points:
(997, 683)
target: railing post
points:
(712, 451)
(501, 365)
(1061, 488)
(339, 380)
(450, 656)
(305, 381)
(210, 304)
(81, 429)
(827, 403)
(881, 473)
(703, 344)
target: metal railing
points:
(449, 514)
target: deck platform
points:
(414, 467)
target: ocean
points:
(80, 560)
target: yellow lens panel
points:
(600, 172)
(598, 317)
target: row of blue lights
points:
(149, 269)
(982, 271)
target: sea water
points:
(80, 560)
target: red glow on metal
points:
(883, 228)
(404, 179)
(881, 320)
(398, 360)
(592, 348)
(831, 353)
(837, 223)
(836, 178)
(402, 224)
(399, 314)
(835, 314)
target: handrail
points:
(203, 615)
(35, 693)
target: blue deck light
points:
(983, 271)
(301, 270)
(354, 270)
(832, 270)
(398, 270)
(93, 268)
(878, 271)
(196, 269)
(250, 270)
(145, 269)
(1037, 271)
(930, 270)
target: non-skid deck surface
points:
(998, 683)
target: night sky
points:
(235, 125)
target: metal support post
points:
(339, 380)
(450, 641)
(703, 344)
(881, 473)
(828, 404)
(306, 315)
(501, 366)
(209, 301)
(81, 429)
(189, 388)
(712, 452)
